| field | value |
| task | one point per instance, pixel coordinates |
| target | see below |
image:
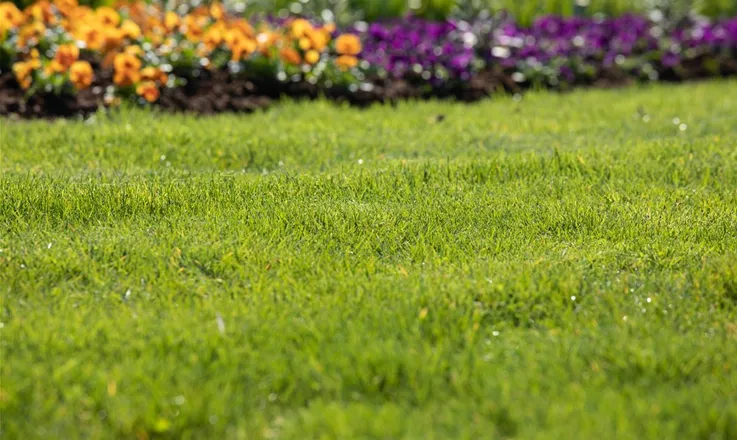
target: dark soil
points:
(218, 91)
(13, 100)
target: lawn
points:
(555, 266)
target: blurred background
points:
(524, 11)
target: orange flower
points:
(152, 73)
(246, 47)
(23, 71)
(300, 27)
(107, 61)
(92, 36)
(319, 39)
(194, 32)
(243, 26)
(66, 54)
(126, 78)
(80, 74)
(113, 38)
(41, 11)
(346, 62)
(290, 56)
(348, 44)
(129, 29)
(239, 44)
(108, 16)
(66, 7)
(137, 9)
(30, 34)
(127, 69)
(148, 73)
(148, 90)
(10, 17)
(126, 61)
(78, 17)
(312, 56)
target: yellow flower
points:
(152, 73)
(54, 67)
(148, 90)
(212, 38)
(23, 71)
(305, 43)
(10, 17)
(312, 56)
(41, 11)
(348, 44)
(345, 62)
(230, 36)
(129, 29)
(108, 16)
(217, 11)
(300, 27)
(134, 50)
(66, 55)
(171, 21)
(80, 74)
(290, 56)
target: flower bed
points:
(57, 51)
(59, 58)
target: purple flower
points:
(670, 59)
(553, 47)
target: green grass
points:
(550, 268)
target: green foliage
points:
(91, 3)
(525, 11)
(346, 11)
(563, 266)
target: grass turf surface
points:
(560, 267)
